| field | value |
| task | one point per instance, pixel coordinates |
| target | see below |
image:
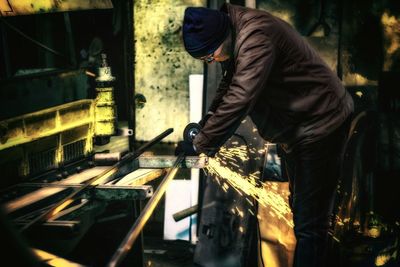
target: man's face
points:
(221, 54)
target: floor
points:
(161, 253)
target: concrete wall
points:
(162, 67)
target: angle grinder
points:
(190, 132)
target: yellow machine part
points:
(47, 122)
(105, 112)
(45, 139)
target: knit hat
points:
(204, 30)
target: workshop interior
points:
(95, 96)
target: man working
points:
(292, 96)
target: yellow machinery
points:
(104, 103)
(43, 140)
(39, 141)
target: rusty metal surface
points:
(25, 7)
(112, 192)
(168, 161)
(104, 192)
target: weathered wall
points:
(304, 16)
(369, 34)
(390, 21)
(162, 67)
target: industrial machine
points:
(67, 200)
(78, 215)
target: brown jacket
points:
(277, 79)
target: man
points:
(292, 96)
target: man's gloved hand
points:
(186, 148)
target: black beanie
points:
(204, 30)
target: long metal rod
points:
(93, 181)
(137, 227)
(70, 39)
(32, 40)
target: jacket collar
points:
(230, 10)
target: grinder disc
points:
(191, 130)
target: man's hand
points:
(186, 148)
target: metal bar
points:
(140, 177)
(185, 213)
(190, 211)
(69, 210)
(168, 161)
(50, 189)
(48, 258)
(135, 230)
(105, 192)
(95, 181)
(32, 40)
(70, 39)
(122, 192)
(157, 139)
(60, 224)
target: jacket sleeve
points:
(222, 87)
(254, 60)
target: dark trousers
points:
(313, 171)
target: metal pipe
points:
(180, 215)
(94, 181)
(32, 40)
(136, 229)
(70, 39)
(155, 140)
